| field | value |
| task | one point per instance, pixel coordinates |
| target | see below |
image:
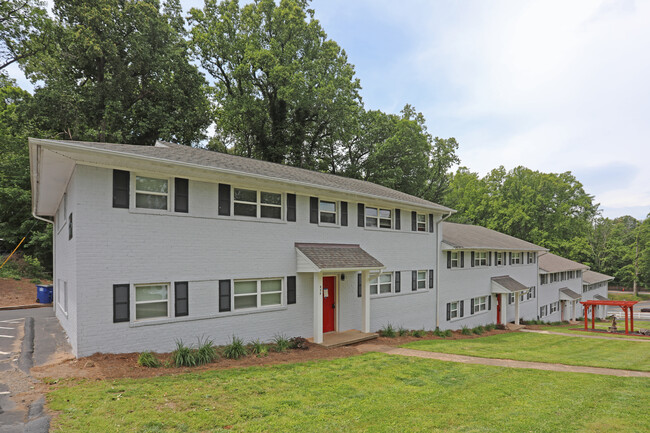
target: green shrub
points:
(205, 353)
(281, 343)
(35, 281)
(419, 333)
(148, 359)
(183, 356)
(501, 326)
(478, 330)
(387, 331)
(235, 349)
(447, 333)
(490, 327)
(258, 348)
(402, 332)
(466, 330)
(298, 343)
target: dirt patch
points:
(112, 366)
(18, 292)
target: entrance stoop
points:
(337, 339)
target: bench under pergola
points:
(625, 305)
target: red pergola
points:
(625, 305)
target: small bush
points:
(478, 330)
(35, 281)
(148, 359)
(490, 327)
(447, 333)
(235, 349)
(206, 353)
(387, 331)
(281, 343)
(419, 333)
(501, 326)
(466, 331)
(298, 343)
(402, 331)
(258, 348)
(183, 356)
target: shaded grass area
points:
(521, 346)
(628, 297)
(571, 329)
(373, 392)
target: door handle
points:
(333, 305)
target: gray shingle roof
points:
(338, 256)
(550, 262)
(593, 277)
(570, 293)
(476, 237)
(600, 298)
(176, 153)
(509, 283)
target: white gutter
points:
(438, 254)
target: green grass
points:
(521, 346)
(570, 329)
(628, 297)
(372, 392)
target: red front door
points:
(329, 303)
(499, 308)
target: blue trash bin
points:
(44, 294)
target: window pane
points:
(271, 198)
(150, 184)
(385, 278)
(270, 212)
(385, 224)
(149, 201)
(371, 211)
(328, 206)
(422, 275)
(148, 311)
(373, 289)
(422, 218)
(245, 302)
(242, 287)
(271, 285)
(371, 222)
(245, 209)
(373, 280)
(151, 293)
(272, 299)
(384, 288)
(245, 195)
(329, 218)
(422, 285)
(384, 213)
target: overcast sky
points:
(552, 85)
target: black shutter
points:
(181, 195)
(181, 303)
(121, 307)
(414, 280)
(430, 223)
(431, 278)
(448, 311)
(224, 199)
(224, 295)
(510, 255)
(291, 207)
(489, 258)
(70, 227)
(462, 308)
(121, 182)
(472, 258)
(448, 259)
(291, 290)
(414, 221)
(358, 285)
(313, 210)
(489, 302)
(398, 281)
(471, 308)
(462, 259)
(344, 213)
(361, 215)
(398, 221)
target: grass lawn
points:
(569, 329)
(372, 392)
(523, 346)
(628, 297)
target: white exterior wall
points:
(120, 246)
(463, 284)
(590, 294)
(550, 292)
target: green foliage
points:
(281, 343)
(235, 349)
(258, 348)
(205, 352)
(387, 330)
(183, 356)
(298, 343)
(465, 330)
(490, 327)
(21, 25)
(22, 266)
(402, 331)
(419, 333)
(148, 359)
(447, 333)
(478, 330)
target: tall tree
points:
(119, 70)
(283, 90)
(21, 30)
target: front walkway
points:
(499, 362)
(598, 337)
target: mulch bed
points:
(18, 292)
(102, 366)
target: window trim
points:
(423, 281)
(418, 223)
(498, 258)
(258, 293)
(378, 283)
(457, 259)
(516, 258)
(258, 204)
(480, 301)
(135, 191)
(453, 310)
(478, 259)
(378, 219)
(337, 213)
(135, 303)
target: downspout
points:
(438, 253)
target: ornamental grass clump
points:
(281, 342)
(205, 353)
(258, 348)
(490, 327)
(235, 349)
(183, 356)
(466, 330)
(402, 331)
(478, 330)
(387, 331)
(419, 333)
(148, 359)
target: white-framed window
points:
(151, 301)
(250, 294)
(531, 257)
(543, 278)
(554, 307)
(454, 308)
(516, 258)
(422, 280)
(480, 258)
(378, 217)
(498, 258)
(381, 284)
(511, 298)
(151, 193)
(530, 293)
(421, 222)
(543, 311)
(256, 204)
(328, 211)
(455, 259)
(480, 304)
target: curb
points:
(26, 359)
(25, 307)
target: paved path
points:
(499, 362)
(598, 337)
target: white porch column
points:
(365, 301)
(573, 313)
(504, 309)
(318, 307)
(516, 308)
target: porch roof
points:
(507, 284)
(317, 257)
(567, 294)
(600, 298)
